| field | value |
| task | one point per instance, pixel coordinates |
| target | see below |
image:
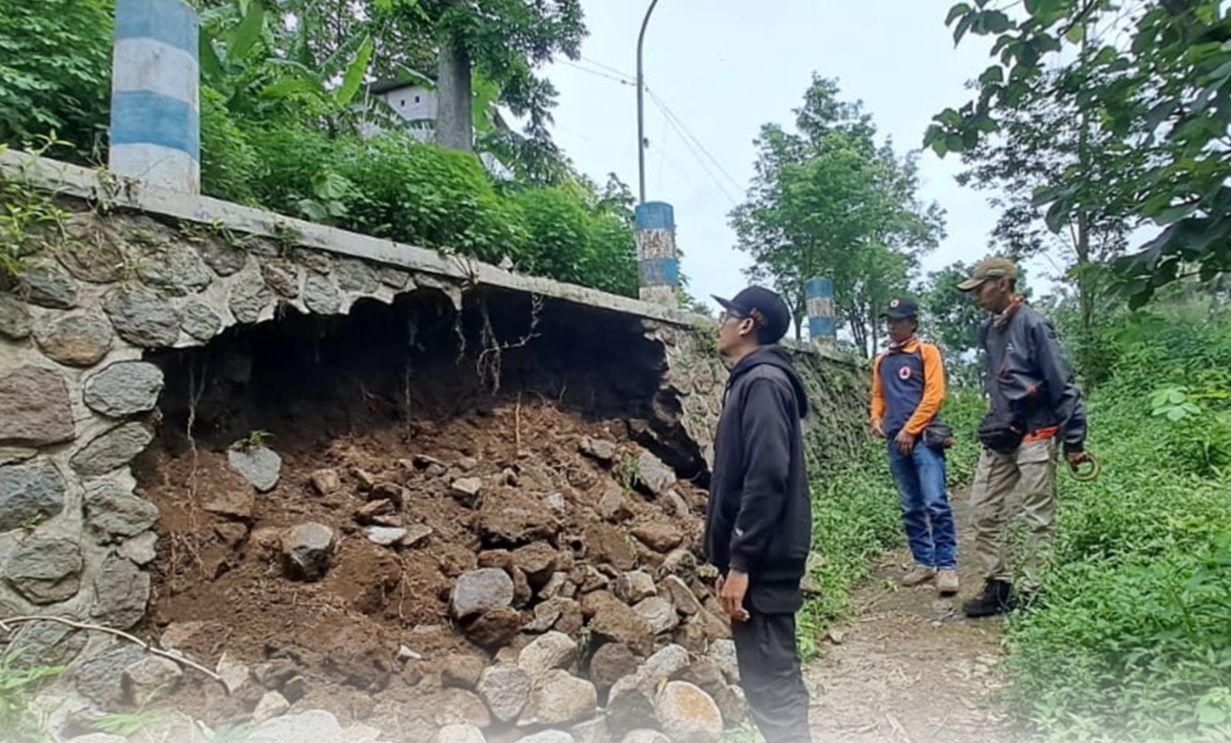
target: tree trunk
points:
(454, 122)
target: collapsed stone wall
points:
(82, 329)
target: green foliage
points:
(1129, 641)
(1154, 77)
(18, 687)
(229, 162)
(30, 219)
(829, 201)
(55, 64)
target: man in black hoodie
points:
(759, 520)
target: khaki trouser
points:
(1013, 504)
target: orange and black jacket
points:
(908, 388)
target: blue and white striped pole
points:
(658, 261)
(822, 321)
(155, 109)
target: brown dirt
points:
(343, 632)
(910, 667)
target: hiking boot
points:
(997, 598)
(946, 582)
(918, 574)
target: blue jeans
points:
(925, 506)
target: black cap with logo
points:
(767, 310)
(901, 308)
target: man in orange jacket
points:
(908, 389)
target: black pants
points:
(770, 674)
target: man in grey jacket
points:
(1035, 409)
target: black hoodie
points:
(759, 519)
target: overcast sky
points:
(724, 68)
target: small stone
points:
(617, 622)
(355, 276)
(653, 474)
(150, 679)
(659, 537)
(606, 544)
(111, 450)
(675, 505)
(307, 550)
(495, 627)
(45, 569)
(375, 512)
(282, 277)
(80, 340)
(326, 481)
(321, 295)
(15, 320)
(199, 320)
(460, 734)
(659, 613)
(43, 644)
(688, 715)
(16, 455)
(466, 487)
(681, 595)
(124, 388)
(731, 703)
(704, 673)
(122, 593)
(234, 674)
(613, 506)
(645, 735)
(259, 465)
(679, 562)
(481, 590)
(669, 663)
(591, 731)
(416, 535)
(394, 277)
(462, 671)
(295, 688)
(722, 652)
(556, 503)
(521, 588)
(233, 504)
(141, 549)
(221, 255)
(552, 651)
(143, 318)
(610, 663)
(555, 586)
(114, 513)
(537, 561)
(176, 270)
(461, 707)
(34, 407)
(634, 587)
(599, 449)
(99, 677)
(836, 636)
(559, 698)
(48, 287)
(249, 297)
(395, 494)
(30, 493)
(548, 736)
(271, 705)
(312, 725)
(385, 536)
(506, 690)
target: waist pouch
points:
(1001, 434)
(938, 436)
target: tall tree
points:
(827, 200)
(1157, 87)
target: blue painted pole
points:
(822, 320)
(658, 260)
(155, 108)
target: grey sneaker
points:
(918, 574)
(947, 582)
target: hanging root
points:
(489, 363)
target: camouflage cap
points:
(989, 270)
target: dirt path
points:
(908, 667)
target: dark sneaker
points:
(997, 598)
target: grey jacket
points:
(1027, 375)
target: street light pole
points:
(641, 101)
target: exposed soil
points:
(389, 403)
(910, 668)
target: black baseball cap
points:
(901, 308)
(767, 310)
